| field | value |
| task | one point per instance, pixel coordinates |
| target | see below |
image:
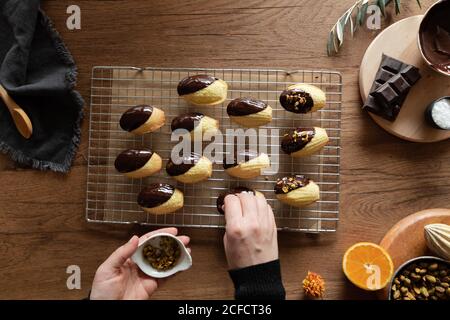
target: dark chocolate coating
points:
(132, 159)
(296, 100)
(287, 184)
(187, 121)
(297, 139)
(179, 169)
(135, 117)
(245, 155)
(221, 199)
(194, 83)
(245, 106)
(155, 195)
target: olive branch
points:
(354, 17)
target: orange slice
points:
(368, 266)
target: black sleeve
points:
(262, 281)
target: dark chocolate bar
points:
(411, 74)
(394, 92)
(390, 88)
(386, 96)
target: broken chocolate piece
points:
(392, 83)
(395, 90)
(386, 96)
(411, 74)
(399, 84)
(384, 75)
(442, 41)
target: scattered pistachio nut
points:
(433, 266)
(440, 289)
(424, 292)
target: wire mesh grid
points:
(111, 197)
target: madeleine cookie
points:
(160, 198)
(195, 123)
(194, 168)
(203, 89)
(297, 191)
(302, 142)
(246, 164)
(249, 112)
(236, 190)
(138, 163)
(302, 98)
(142, 119)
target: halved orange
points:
(368, 266)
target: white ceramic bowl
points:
(184, 261)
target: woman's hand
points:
(251, 233)
(120, 278)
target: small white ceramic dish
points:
(184, 261)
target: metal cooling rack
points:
(111, 197)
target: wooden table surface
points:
(384, 179)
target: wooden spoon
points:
(22, 121)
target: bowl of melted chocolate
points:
(434, 37)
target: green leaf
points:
(352, 30)
(358, 10)
(397, 6)
(347, 16)
(382, 5)
(363, 11)
(340, 30)
(359, 16)
(330, 43)
(335, 42)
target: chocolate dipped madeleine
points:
(246, 164)
(202, 89)
(142, 119)
(297, 191)
(302, 98)
(160, 198)
(138, 163)
(249, 112)
(194, 168)
(302, 142)
(236, 190)
(195, 122)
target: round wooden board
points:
(400, 41)
(405, 240)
